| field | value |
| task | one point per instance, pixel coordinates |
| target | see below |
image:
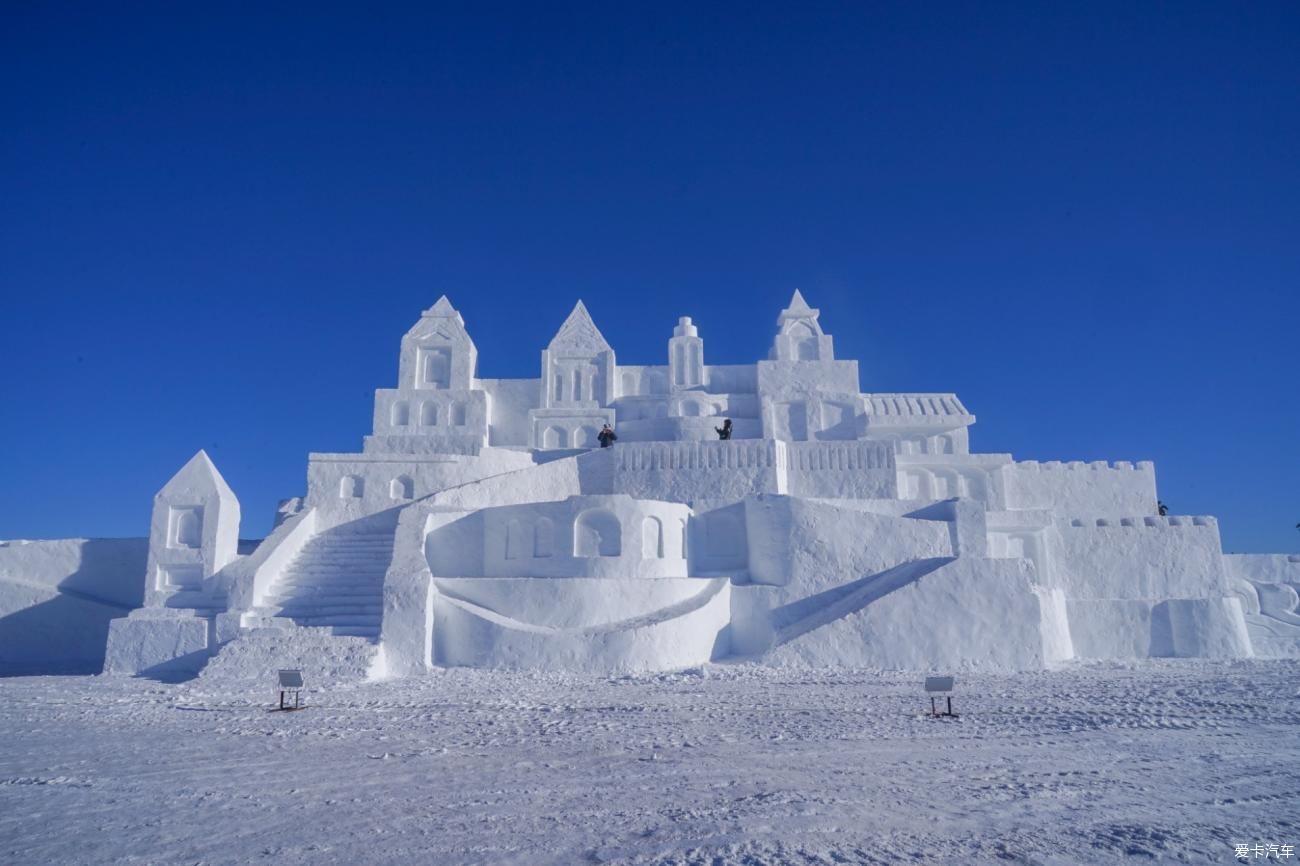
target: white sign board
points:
(290, 679)
(938, 684)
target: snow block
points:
(1140, 558)
(966, 613)
(810, 546)
(159, 642)
(323, 658)
(1081, 488)
(1177, 628)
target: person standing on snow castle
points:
(724, 432)
(606, 436)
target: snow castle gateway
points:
(482, 524)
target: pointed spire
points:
(198, 472)
(579, 333)
(798, 309)
(443, 310)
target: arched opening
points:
(685, 536)
(437, 368)
(652, 538)
(189, 528)
(804, 339)
(401, 487)
(597, 533)
(586, 437)
(514, 540)
(918, 484)
(458, 414)
(555, 437)
(559, 387)
(351, 487)
(429, 414)
(943, 487)
(629, 384)
(577, 384)
(543, 538)
(401, 414)
(690, 409)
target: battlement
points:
(1145, 522)
(1095, 465)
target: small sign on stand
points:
(290, 681)
(937, 687)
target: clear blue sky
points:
(216, 223)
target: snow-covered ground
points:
(731, 765)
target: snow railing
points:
(255, 574)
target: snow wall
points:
(57, 598)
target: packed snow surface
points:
(1176, 762)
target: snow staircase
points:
(336, 582)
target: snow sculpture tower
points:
(194, 532)
(685, 356)
(193, 535)
(805, 393)
(800, 337)
(435, 407)
(577, 386)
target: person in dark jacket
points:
(1162, 508)
(606, 436)
(724, 432)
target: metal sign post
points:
(290, 681)
(935, 686)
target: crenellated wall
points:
(1139, 558)
(1079, 488)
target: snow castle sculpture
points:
(482, 525)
